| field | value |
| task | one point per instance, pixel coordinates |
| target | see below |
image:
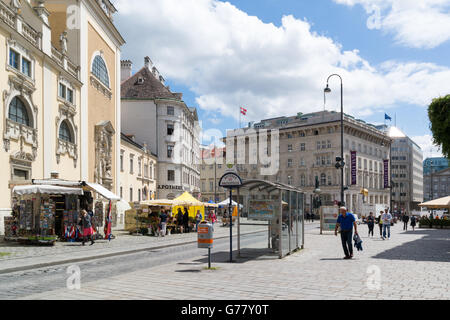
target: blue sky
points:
(257, 53)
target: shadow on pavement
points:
(435, 246)
(247, 254)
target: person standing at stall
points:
(180, 220)
(186, 220)
(163, 218)
(198, 219)
(86, 225)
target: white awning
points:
(102, 191)
(46, 189)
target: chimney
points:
(148, 63)
(125, 69)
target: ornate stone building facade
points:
(307, 149)
(60, 86)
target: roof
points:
(150, 88)
(130, 141)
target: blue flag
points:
(386, 117)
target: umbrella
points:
(441, 203)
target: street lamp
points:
(340, 164)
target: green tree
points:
(439, 114)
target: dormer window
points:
(140, 80)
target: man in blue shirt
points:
(346, 221)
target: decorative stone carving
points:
(104, 133)
(66, 113)
(16, 5)
(63, 42)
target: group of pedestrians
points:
(347, 221)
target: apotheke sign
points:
(169, 187)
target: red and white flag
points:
(243, 111)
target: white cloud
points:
(414, 23)
(428, 148)
(230, 59)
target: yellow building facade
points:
(60, 85)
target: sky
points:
(273, 57)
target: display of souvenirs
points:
(98, 214)
(10, 227)
(47, 217)
(70, 219)
(26, 214)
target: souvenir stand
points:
(41, 212)
(138, 220)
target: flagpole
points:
(240, 124)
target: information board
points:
(262, 209)
(328, 217)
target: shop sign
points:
(170, 187)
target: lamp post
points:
(341, 164)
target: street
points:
(411, 265)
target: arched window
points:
(100, 71)
(64, 132)
(18, 112)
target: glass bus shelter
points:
(279, 205)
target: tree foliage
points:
(439, 114)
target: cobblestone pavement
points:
(14, 255)
(411, 265)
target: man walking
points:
(370, 223)
(387, 219)
(405, 222)
(163, 221)
(346, 221)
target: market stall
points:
(42, 212)
(186, 200)
(48, 210)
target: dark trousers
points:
(405, 225)
(371, 229)
(346, 238)
(381, 229)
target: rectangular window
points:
(139, 195)
(289, 147)
(121, 192)
(62, 91)
(26, 67)
(169, 151)
(131, 166)
(131, 194)
(170, 175)
(170, 111)
(20, 175)
(139, 167)
(170, 129)
(302, 147)
(121, 162)
(289, 164)
(14, 59)
(70, 95)
(318, 145)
